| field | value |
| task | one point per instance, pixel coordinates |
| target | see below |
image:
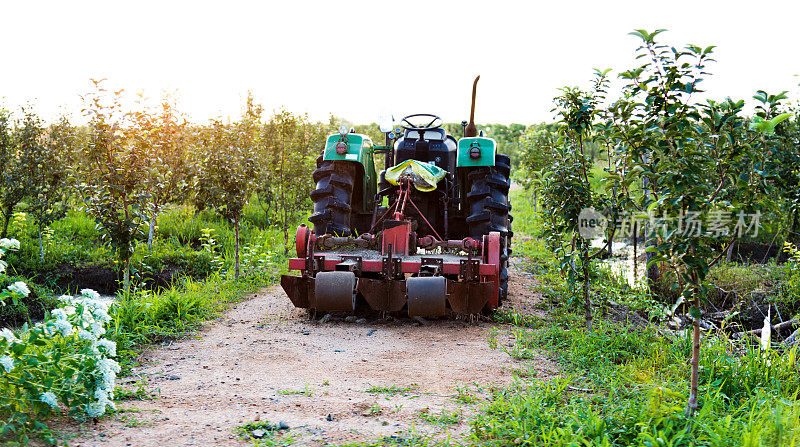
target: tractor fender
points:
(359, 148)
(360, 153)
(485, 147)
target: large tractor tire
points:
(490, 210)
(333, 197)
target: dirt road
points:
(332, 382)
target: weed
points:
(508, 316)
(264, 434)
(131, 420)
(374, 410)
(140, 393)
(406, 439)
(442, 418)
(393, 389)
(306, 391)
(463, 396)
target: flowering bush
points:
(64, 362)
(18, 289)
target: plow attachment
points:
(421, 285)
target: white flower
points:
(86, 335)
(7, 363)
(65, 327)
(109, 345)
(98, 408)
(50, 399)
(98, 329)
(3, 266)
(9, 336)
(89, 293)
(101, 314)
(109, 369)
(66, 298)
(60, 314)
(20, 288)
(9, 244)
(69, 310)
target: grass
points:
(307, 391)
(444, 417)
(266, 434)
(628, 387)
(140, 393)
(392, 389)
(463, 396)
(623, 386)
(374, 410)
(406, 439)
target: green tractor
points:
(430, 232)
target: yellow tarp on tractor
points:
(424, 176)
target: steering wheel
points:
(434, 123)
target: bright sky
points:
(357, 60)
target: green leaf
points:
(778, 119)
(695, 312)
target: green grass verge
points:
(624, 386)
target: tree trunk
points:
(152, 231)
(635, 251)
(587, 302)
(729, 254)
(41, 247)
(649, 241)
(126, 278)
(691, 405)
(652, 270)
(285, 240)
(236, 253)
(7, 212)
(794, 233)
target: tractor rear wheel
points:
(489, 211)
(333, 197)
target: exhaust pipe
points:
(471, 130)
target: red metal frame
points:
(397, 238)
(492, 258)
(449, 268)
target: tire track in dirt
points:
(265, 360)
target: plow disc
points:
(335, 291)
(427, 296)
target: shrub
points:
(65, 362)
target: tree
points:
(12, 189)
(290, 144)
(567, 187)
(112, 174)
(42, 163)
(783, 160)
(161, 139)
(695, 161)
(224, 172)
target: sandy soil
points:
(265, 360)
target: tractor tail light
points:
(475, 152)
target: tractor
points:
(428, 235)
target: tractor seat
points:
(433, 134)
